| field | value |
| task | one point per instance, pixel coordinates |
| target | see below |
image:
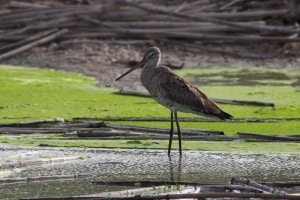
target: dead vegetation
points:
(81, 35)
(186, 24)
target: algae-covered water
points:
(35, 94)
(137, 165)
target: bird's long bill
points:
(140, 64)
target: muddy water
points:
(124, 165)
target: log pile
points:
(196, 25)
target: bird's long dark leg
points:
(178, 132)
(171, 134)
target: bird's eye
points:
(149, 55)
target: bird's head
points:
(152, 56)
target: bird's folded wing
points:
(175, 89)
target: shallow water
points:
(246, 77)
(126, 165)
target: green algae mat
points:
(31, 94)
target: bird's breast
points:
(165, 103)
(149, 81)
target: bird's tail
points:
(224, 115)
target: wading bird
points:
(174, 92)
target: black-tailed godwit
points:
(174, 92)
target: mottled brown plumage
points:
(174, 92)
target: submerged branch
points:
(43, 178)
(256, 136)
(267, 189)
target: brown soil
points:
(103, 61)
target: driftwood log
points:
(264, 188)
(37, 161)
(91, 128)
(224, 101)
(241, 188)
(261, 137)
(43, 178)
(214, 191)
(180, 196)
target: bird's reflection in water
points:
(175, 168)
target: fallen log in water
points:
(255, 136)
(173, 196)
(151, 190)
(186, 119)
(284, 184)
(40, 161)
(190, 132)
(144, 119)
(33, 130)
(35, 123)
(43, 178)
(100, 133)
(128, 132)
(159, 137)
(93, 128)
(210, 187)
(224, 101)
(243, 102)
(267, 189)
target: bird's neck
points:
(148, 77)
(147, 71)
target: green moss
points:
(134, 142)
(231, 128)
(241, 76)
(34, 94)
(29, 94)
(228, 146)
